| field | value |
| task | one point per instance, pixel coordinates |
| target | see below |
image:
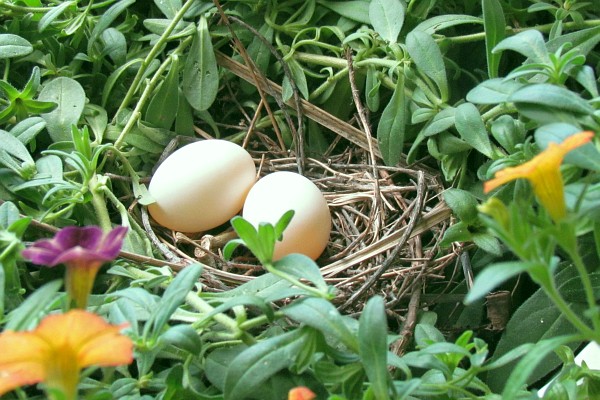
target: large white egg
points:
(308, 232)
(201, 186)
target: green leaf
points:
(183, 337)
(70, 97)
(372, 85)
(26, 316)
(114, 78)
(283, 223)
(457, 232)
(440, 22)
(159, 26)
(26, 130)
(585, 40)
(442, 121)
(115, 45)
(536, 319)
(587, 204)
(53, 14)
(391, 127)
(471, 128)
(452, 163)
(428, 58)
(14, 46)
(9, 90)
(162, 109)
(355, 10)
(298, 80)
(462, 203)
(302, 267)
(387, 18)
(9, 214)
(529, 43)
(573, 291)
(322, 315)
(268, 287)
(526, 367)
(106, 19)
(200, 73)
(426, 334)
(14, 147)
(253, 366)
(545, 95)
(494, 25)
(172, 298)
(493, 276)
(260, 53)
(184, 122)
(487, 242)
(373, 348)
(508, 132)
(168, 7)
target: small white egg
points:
(201, 186)
(308, 232)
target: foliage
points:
(91, 93)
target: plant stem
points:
(157, 48)
(137, 112)
(476, 37)
(587, 288)
(566, 311)
(200, 305)
(566, 237)
(258, 321)
(99, 203)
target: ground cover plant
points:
(456, 144)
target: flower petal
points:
(509, 174)
(22, 360)
(80, 244)
(42, 252)
(95, 341)
(301, 393)
(113, 241)
(87, 237)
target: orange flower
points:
(57, 350)
(543, 172)
(301, 393)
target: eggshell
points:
(201, 186)
(308, 232)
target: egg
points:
(201, 186)
(309, 230)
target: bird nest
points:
(386, 226)
(387, 221)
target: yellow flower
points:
(543, 172)
(57, 350)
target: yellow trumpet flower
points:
(543, 172)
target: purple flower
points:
(83, 251)
(87, 244)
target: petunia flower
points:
(82, 251)
(58, 349)
(301, 393)
(543, 172)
